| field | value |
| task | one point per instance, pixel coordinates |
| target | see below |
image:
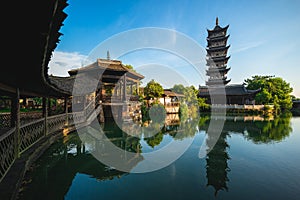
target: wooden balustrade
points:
(25, 117)
(7, 152)
(30, 133)
(12, 144)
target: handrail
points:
(32, 132)
(10, 131)
(31, 123)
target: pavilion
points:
(108, 80)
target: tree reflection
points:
(257, 129)
(270, 131)
(186, 129)
(154, 140)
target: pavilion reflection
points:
(72, 155)
(175, 127)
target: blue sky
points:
(264, 35)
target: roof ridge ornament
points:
(217, 21)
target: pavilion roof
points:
(75, 85)
(87, 79)
(170, 93)
(230, 90)
(111, 67)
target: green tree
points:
(202, 104)
(153, 90)
(274, 90)
(129, 67)
(37, 101)
(178, 88)
(190, 95)
(183, 111)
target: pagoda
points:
(217, 55)
(217, 60)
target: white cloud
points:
(62, 62)
(247, 46)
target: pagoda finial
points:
(217, 21)
(107, 56)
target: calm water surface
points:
(251, 160)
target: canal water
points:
(252, 158)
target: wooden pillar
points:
(101, 92)
(84, 102)
(13, 111)
(16, 118)
(131, 90)
(124, 87)
(45, 113)
(49, 106)
(115, 90)
(83, 148)
(120, 90)
(137, 88)
(66, 110)
(24, 102)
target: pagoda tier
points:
(218, 49)
(217, 70)
(217, 58)
(217, 39)
(212, 82)
(218, 42)
(218, 30)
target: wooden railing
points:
(7, 151)
(113, 98)
(15, 142)
(25, 117)
(172, 104)
(30, 133)
(238, 106)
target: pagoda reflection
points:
(217, 162)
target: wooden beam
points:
(16, 116)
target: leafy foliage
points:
(178, 88)
(190, 95)
(129, 67)
(274, 90)
(157, 113)
(153, 90)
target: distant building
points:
(171, 101)
(216, 87)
